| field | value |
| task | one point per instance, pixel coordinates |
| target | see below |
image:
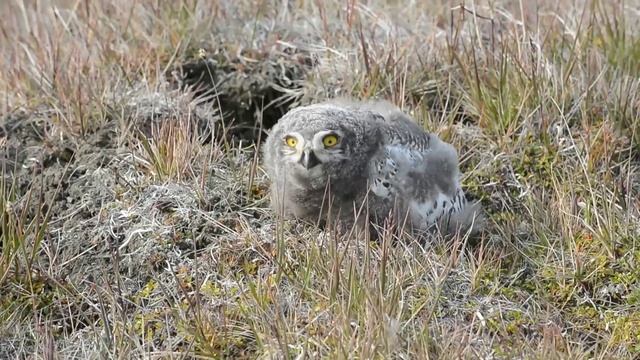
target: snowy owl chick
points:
(334, 157)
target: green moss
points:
(148, 289)
(634, 296)
(148, 325)
(211, 290)
(587, 317)
(536, 163)
(24, 295)
(625, 330)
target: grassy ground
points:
(134, 220)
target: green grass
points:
(133, 227)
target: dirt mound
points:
(252, 89)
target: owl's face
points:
(313, 154)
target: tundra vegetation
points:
(134, 211)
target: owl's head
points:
(318, 141)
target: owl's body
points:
(368, 159)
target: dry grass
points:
(134, 217)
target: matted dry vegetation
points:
(134, 220)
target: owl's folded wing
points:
(424, 182)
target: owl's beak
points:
(309, 159)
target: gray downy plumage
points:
(381, 158)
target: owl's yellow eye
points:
(291, 141)
(330, 140)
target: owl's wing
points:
(419, 172)
(414, 169)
